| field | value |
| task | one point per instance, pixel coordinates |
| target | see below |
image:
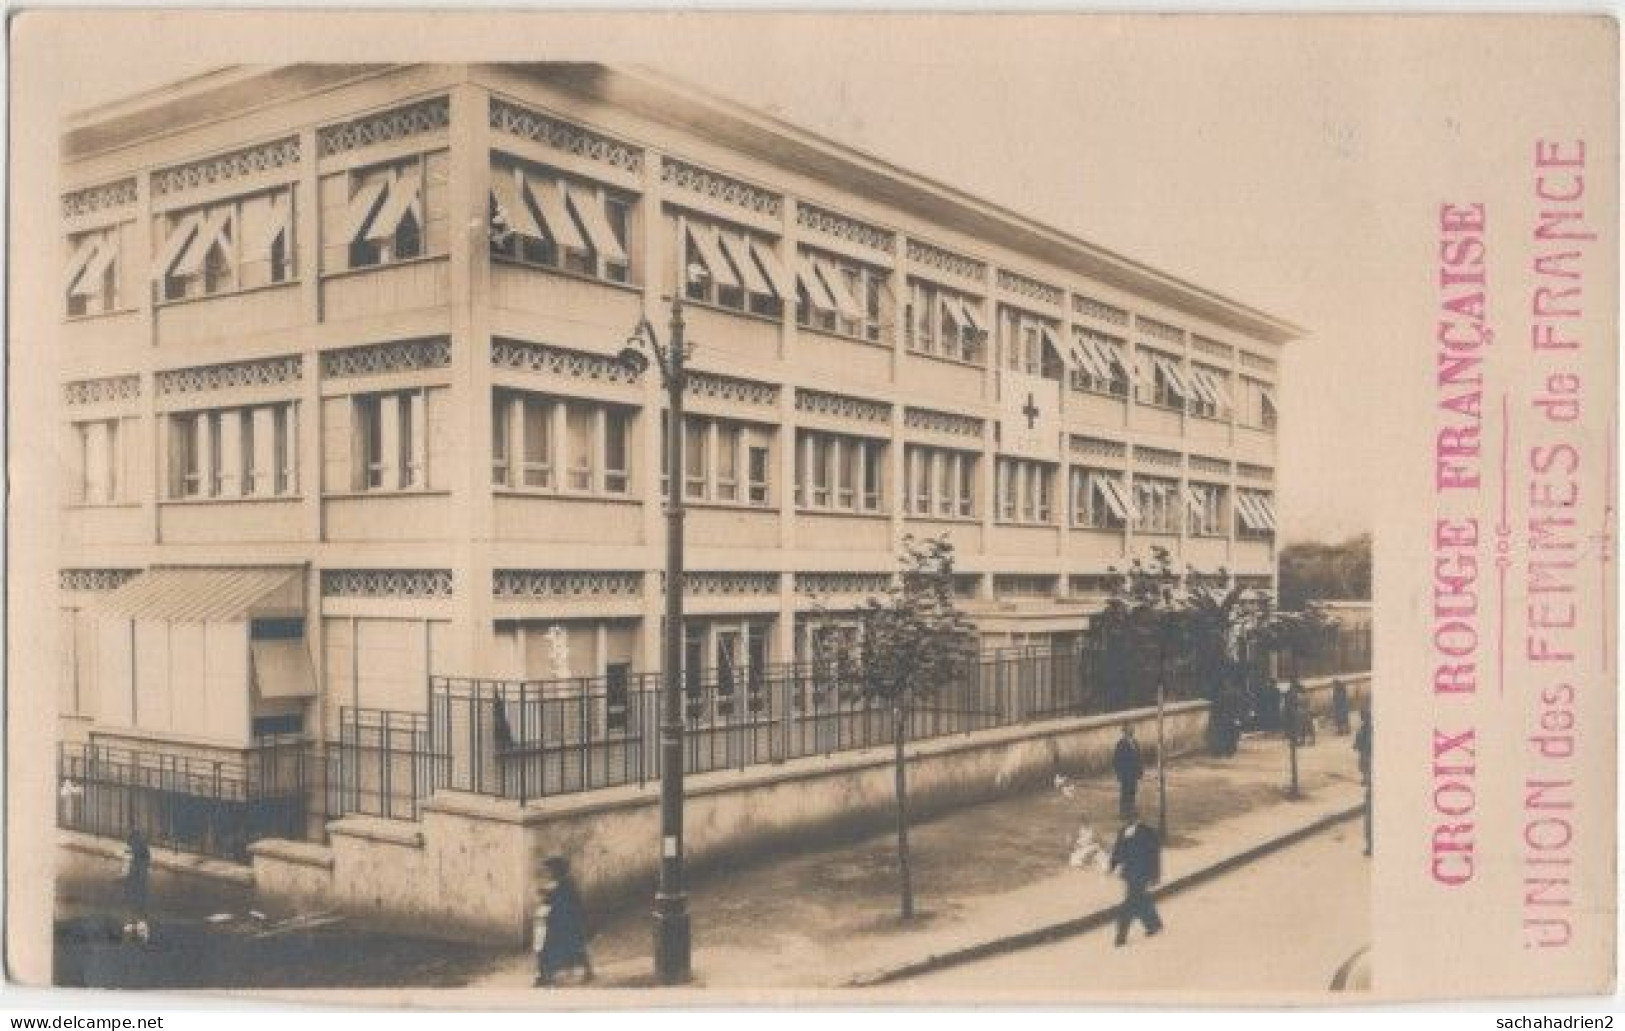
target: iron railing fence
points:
(381, 764)
(1340, 649)
(213, 807)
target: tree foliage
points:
(1317, 571)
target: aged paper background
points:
(1297, 164)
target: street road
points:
(1282, 924)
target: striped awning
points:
(207, 594)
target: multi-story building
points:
(341, 407)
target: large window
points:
(1026, 491)
(944, 323)
(724, 461)
(1204, 509)
(101, 460)
(1210, 392)
(1097, 363)
(1257, 404)
(839, 472)
(93, 278)
(1255, 515)
(547, 444)
(234, 245)
(741, 268)
(1028, 343)
(939, 482)
(1158, 503)
(1162, 379)
(840, 295)
(542, 217)
(250, 452)
(1099, 500)
(386, 213)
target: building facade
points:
(341, 408)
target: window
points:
(1210, 392)
(236, 245)
(386, 213)
(943, 323)
(1099, 500)
(542, 443)
(940, 481)
(1158, 505)
(1026, 491)
(742, 269)
(1162, 380)
(1097, 363)
(540, 217)
(234, 452)
(839, 295)
(92, 278)
(1028, 344)
(696, 446)
(714, 451)
(1204, 509)
(1257, 404)
(1255, 515)
(101, 453)
(617, 696)
(758, 474)
(839, 472)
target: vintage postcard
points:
(643, 509)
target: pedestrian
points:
(1362, 745)
(1129, 767)
(1340, 708)
(1138, 857)
(138, 865)
(560, 926)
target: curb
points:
(1097, 917)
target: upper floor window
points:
(101, 456)
(835, 471)
(1097, 363)
(1162, 380)
(1026, 491)
(1210, 392)
(1158, 505)
(93, 276)
(941, 322)
(724, 461)
(234, 245)
(542, 443)
(742, 270)
(940, 482)
(839, 295)
(1099, 500)
(234, 452)
(1255, 514)
(541, 217)
(1028, 344)
(386, 213)
(1257, 404)
(1204, 509)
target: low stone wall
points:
(468, 868)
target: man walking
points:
(1129, 767)
(1138, 855)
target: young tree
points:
(910, 645)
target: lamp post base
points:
(671, 935)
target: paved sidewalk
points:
(987, 878)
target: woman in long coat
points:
(564, 934)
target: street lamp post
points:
(671, 921)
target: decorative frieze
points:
(1025, 286)
(1100, 311)
(844, 227)
(222, 168)
(564, 584)
(1157, 456)
(720, 188)
(1250, 360)
(1216, 466)
(94, 579)
(262, 373)
(91, 199)
(840, 406)
(717, 387)
(933, 421)
(385, 127)
(823, 584)
(1097, 447)
(1213, 348)
(943, 260)
(730, 585)
(1261, 473)
(558, 361)
(560, 135)
(101, 391)
(1159, 330)
(386, 583)
(379, 359)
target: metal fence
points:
(1340, 649)
(382, 764)
(206, 806)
